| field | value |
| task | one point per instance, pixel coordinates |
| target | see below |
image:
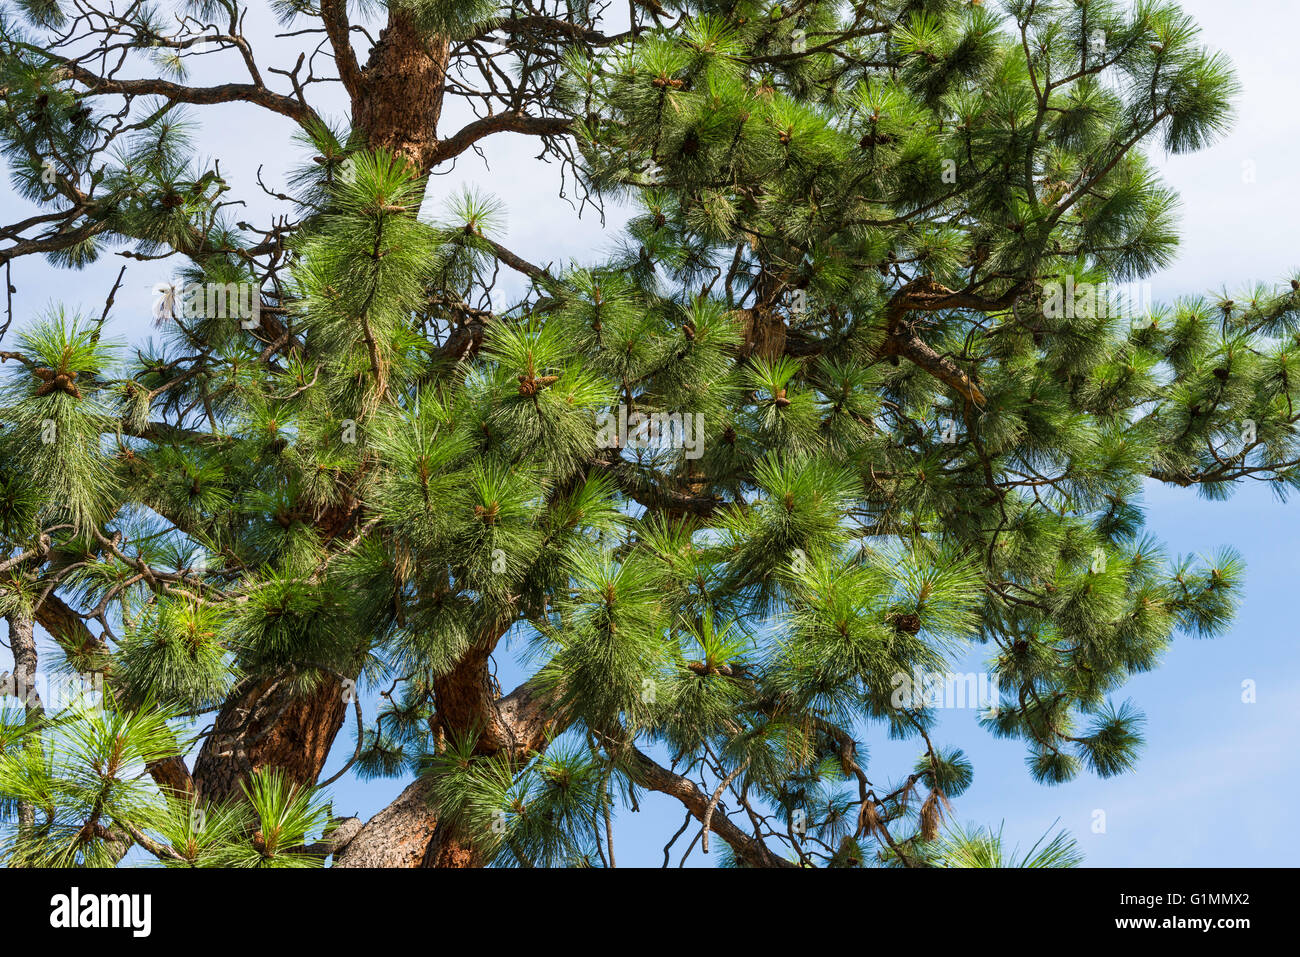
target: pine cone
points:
(531, 385)
(62, 381)
(907, 624)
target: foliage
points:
(862, 272)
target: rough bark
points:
(67, 628)
(398, 836)
(449, 849)
(516, 723)
(266, 726)
(406, 833)
(764, 333)
(401, 92)
(172, 775)
(22, 685)
(926, 295)
(941, 367)
(337, 836)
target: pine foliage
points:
(843, 276)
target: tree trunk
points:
(447, 849)
(396, 104)
(268, 726)
(764, 332)
(397, 107)
(406, 833)
(398, 836)
(22, 641)
(400, 100)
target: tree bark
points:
(406, 833)
(749, 849)
(397, 103)
(22, 641)
(398, 836)
(401, 92)
(269, 726)
(764, 333)
(448, 849)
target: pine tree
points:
(850, 395)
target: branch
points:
(651, 775)
(395, 837)
(67, 628)
(335, 15)
(514, 122)
(78, 643)
(516, 262)
(942, 368)
(340, 835)
(224, 93)
(518, 723)
(926, 295)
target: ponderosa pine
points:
(850, 222)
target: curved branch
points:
(514, 122)
(926, 295)
(254, 93)
(649, 774)
(334, 13)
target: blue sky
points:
(1219, 776)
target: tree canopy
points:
(852, 392)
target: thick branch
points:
(926, 295)
(397, 836)
(404, 834)
(944, 369)
(649, 774)
(179, 93)
(514, 122)
(334, 13)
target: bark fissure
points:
(401, 92)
